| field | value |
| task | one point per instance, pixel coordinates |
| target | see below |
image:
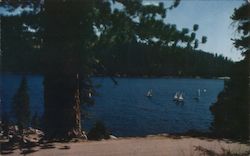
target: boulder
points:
(112, 137)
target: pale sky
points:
(213, 18)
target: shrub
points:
(98, 132)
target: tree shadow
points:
(205, 151)
(6, 152)
(7, 147)
(47, 146)
(25, 147)
(64, 147)
(28, 151)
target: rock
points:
(16, 128)
(13, 129)
(39, 132)
(84, 136)
(31, 139)
(33, 131)
(77, 134)
(112, 137)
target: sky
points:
(213, 18)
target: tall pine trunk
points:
(62, 47)
(62, 105)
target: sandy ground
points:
(149, 146)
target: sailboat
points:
(178, 97)
(150, 93)
(198, 95)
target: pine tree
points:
(231, 111)
(21, 104)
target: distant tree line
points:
(139, 59)
(174, 54)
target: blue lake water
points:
(125, 109)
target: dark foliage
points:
(20, 49)
(231, 111)
(21, 108)
(98, 132)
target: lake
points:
(124, 108)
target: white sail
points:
(176, 96)
(199, 92)
(181, 97)
(150, 93)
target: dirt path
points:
(149, 146)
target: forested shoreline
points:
(153, 60)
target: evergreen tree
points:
(231, 111)
(21, 105)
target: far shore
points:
(166, 77)
(136, 76)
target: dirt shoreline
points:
(156, 145)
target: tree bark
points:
(62, 47)
(62, 106)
